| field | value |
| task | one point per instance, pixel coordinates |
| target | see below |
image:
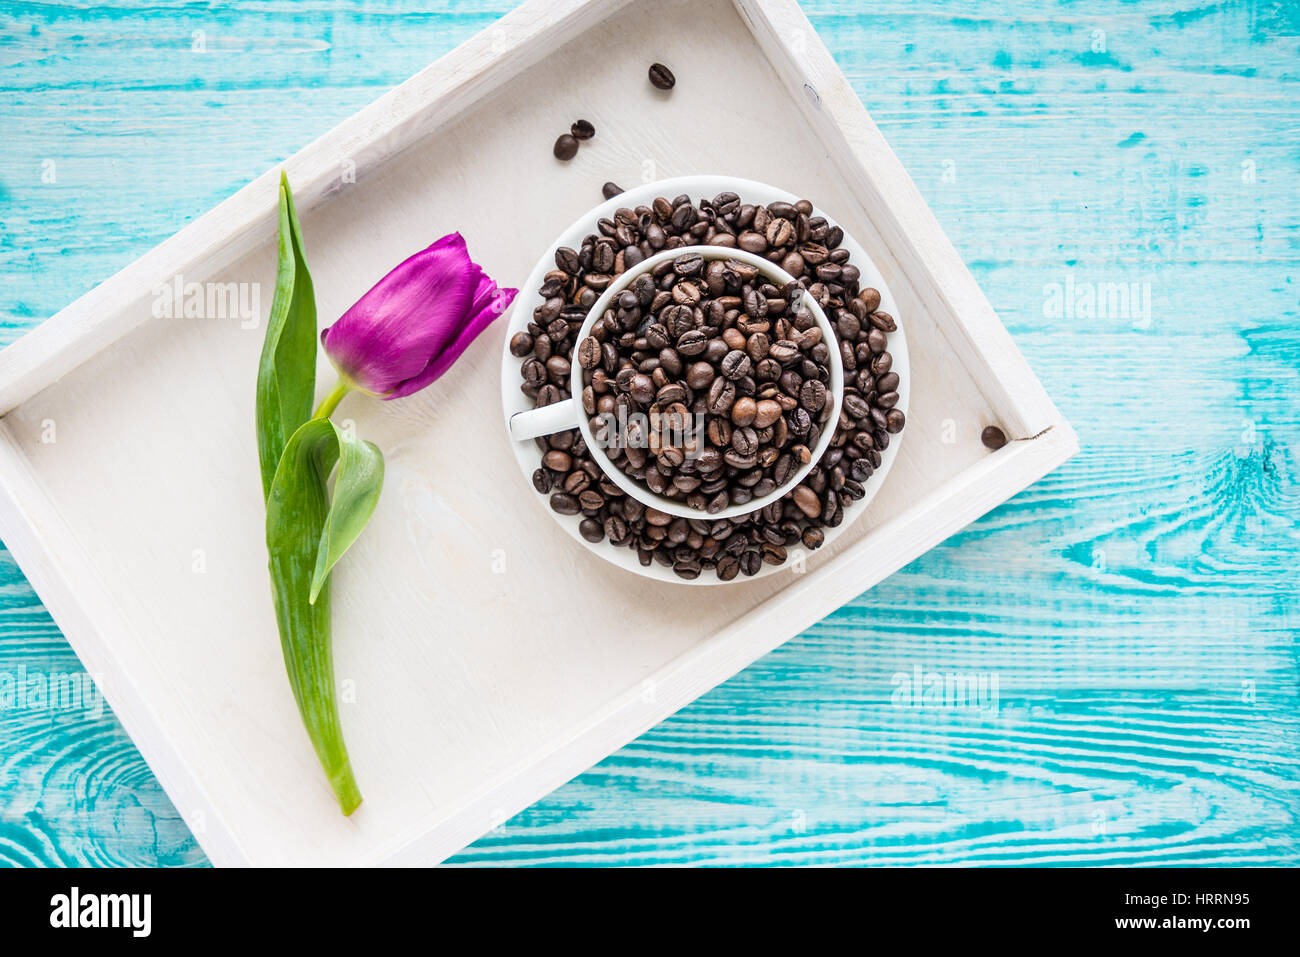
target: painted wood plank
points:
(1137, 606)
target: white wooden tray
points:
(484, 659)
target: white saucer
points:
(521, 311)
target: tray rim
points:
(53, 559)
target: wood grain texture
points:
(1137, 608)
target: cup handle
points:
(547, 420)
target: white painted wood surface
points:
(484, 658)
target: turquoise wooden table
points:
(1135, 612)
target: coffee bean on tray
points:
(566, 147)
(582, 130)
(993, 438)
(662, 77)
(710, 338)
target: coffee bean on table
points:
(582, 130)
(566, 147)
(993, 438)
(662, 77)
(610, 190)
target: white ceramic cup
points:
(569, 414)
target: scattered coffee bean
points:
(582, 130)
(566, 147)
(993, 437)
(662, 77)
(610, 190)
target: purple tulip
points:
(416, 321)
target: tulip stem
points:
(332, 400)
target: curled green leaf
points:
(306, 535)
(358, 479)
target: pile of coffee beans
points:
(806, 246)
(707, 384)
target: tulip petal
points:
(489, 303)
(414, 312)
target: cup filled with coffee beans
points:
(705, 381)
(676, 384)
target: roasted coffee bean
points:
(610, 190)
(744, 411)
(616, 529)
(888, 382)
(728, 568)
(692, 342)
(690, 265)
(557, 461)
(565, 504)
(589, 353)
(661, 77)
(812, 396)
(883, 321)
(558, 368)
(736, 365)
(807, 501)
(743, 440)
(591, 530)
(583, 130)
(721, 396)
(699, 375)
(521, 343)
(566, 147)
(642, 388)
(567, 260)
(766, 413)
(993, 437)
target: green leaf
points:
(357, 484)
(286, 373)
(305, 536)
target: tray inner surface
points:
(472, 634)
